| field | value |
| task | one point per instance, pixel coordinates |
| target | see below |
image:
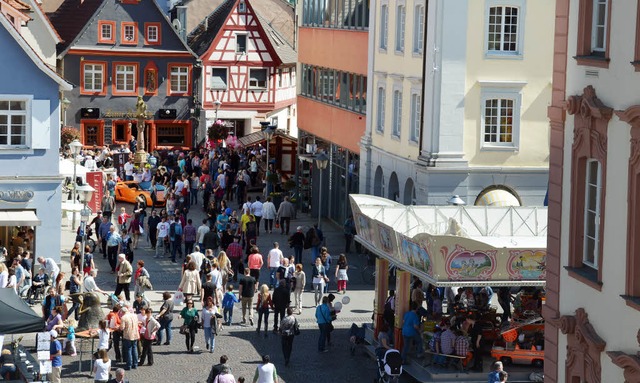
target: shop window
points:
(106, 32)
(171, 135)
(594, 33)
(122, 131)
(129, 33)
(152, 34)
(258, 78)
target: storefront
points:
(449, 246)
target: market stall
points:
(446, 246)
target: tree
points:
(68, 134)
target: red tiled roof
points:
(71, 17)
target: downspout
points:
(424, 78)
(366, 141)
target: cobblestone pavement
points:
(241, 343)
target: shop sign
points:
(129, 113)
(16, 195)
(95, 179)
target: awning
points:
(257, 137)
(497, 197)
(19, 218)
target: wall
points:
(344, 50)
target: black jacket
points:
(281, 297)
(210, 240)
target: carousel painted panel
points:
(527, 264)
(386, 239)
(462, 264)
(414, 253)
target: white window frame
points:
(226, 78)
(418, 28)
(128, 71)
(27, 99)
(181, 74)
(157, 33)
(110, 31)
(397, 113)
(257, 86)
(381, 106)
(498, 90)
(125, 31)
(595, 26)
(594, 208)
(384, 27)
(246, 44)
(242, 6)
(93, 73)
(499, 53)
(401, 17)
(416, 113)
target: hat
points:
(53, 333)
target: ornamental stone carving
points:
(628, 362)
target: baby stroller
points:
(390, 367)
(356, 337)
(113, 301)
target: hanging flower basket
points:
(217, 131)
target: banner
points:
(96, 181)
(119, 159)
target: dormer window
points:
(242, 7)
(106, 32)
(129, 33)
(152, 34)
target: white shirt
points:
(128, 169)
(51, 267)
(90, 164)
(256, 209)
(89, 285)
(266, 373)
(102, 369)
(197, 257)
(202, 230)
(246, 206)
(269, 210)
(274, 257)
(103, 340)
(179, 187)
(216, 278)
(4, 279)
(163, 229)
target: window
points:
(418, 29)
(500, 116)
(93, 78)
(152, 34)
(416, 109)
(241, 44)
(92, 132)
(381, 109)
(14, 122)
(106, 32)
(342, 89)
(384, 26)
(258, 78)
(503, 29)
(400, 18)
(179, 79)
(129, 33)
(340, 14)
(397, 112)
(171, 135)
(594, 35)
(125, 79)
(242, 7)
(590, 250)
(218, 78)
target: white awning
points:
(19, 218)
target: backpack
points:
(172, 229)
(178, 229)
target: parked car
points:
(128, 191)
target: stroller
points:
(356, 337)
(390, 367)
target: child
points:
(227, 304)
(71, 336)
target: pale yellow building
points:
(477, 123)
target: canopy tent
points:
(66, 169)
(16, 316)
(456, 245)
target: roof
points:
(64, 85)
(19, 5)
(285, 52)
(16, 317)
(38, 9)
(71, 17)
(201, 38)
(257, 137)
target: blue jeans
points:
(166, 326)
(324, 333)
(315, 252)
(407, 344)
(228, 315)
(272, 276)
(177, 247)
(209, 338)
(194, 196)
(131, 353)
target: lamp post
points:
(86, 192)
(75, 147)
(65, 106)
(268, 135)
(322, 160)
(456, 201)
(217, 104)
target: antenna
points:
(176, 25)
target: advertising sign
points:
(96, 181)
(119, 159)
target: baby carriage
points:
(113, 301)
(390, 367)
(356, 337)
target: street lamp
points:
(217, 104)
(456, 201)
(75, 147)
(86, 192)
(322, 160)
(65, 106)
(268, 135)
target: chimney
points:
(181, 15)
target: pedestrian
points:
(142, 280)
(286, 211)
(349, 229)
(209, 324)
(228, 301)
(123, 278)
(162, 242)
(120, 378)
(202, 230)
(298, 283)
(257, 211)
(268, 215)
(152, 227)
(281, 300)
(273, 260)
(411, 331)
(247, 290)
(503, 376)
(475, 333)
(114, 321)
(341, 273)
(190, 283)
(101, 367)
(149, 330)
(296, 241)
(130, 336)
(123, 219)
(224, 265)
(75, 283)
(134, 229)
(211, 240)
(165, 317)
(323, 318)
(325, 257)
(266, 372)
(175, 235)
(255, 262)
(108, 205)
(234, 252)
(264, 304)
(51, 269)
(190, 325)
(319, 278)
(218, 369)
(313, 240)
(55, 355)
(216, 280)
(114, 241)
(103, 233)
(190, 234)
(288, 330)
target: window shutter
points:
(40, 124)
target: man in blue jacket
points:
(323, 317)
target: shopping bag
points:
(178, 298)
(141, 229)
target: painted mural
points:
(463, 264)
(363, 227)
(527, 264)
(416, 256)
(386, 237)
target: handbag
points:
(296, 328)
(277, 225)
(178, 298)
(184, 329)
